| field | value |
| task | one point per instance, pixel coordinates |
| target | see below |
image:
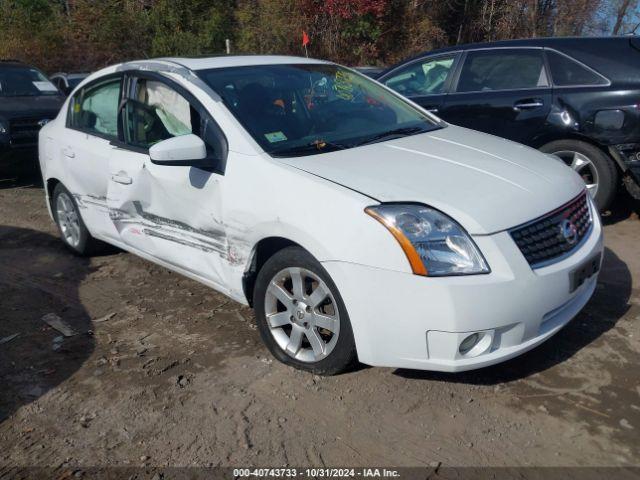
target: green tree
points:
(190, 27)
(99, 34)
(29, 29)
(269, 26)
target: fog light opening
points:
(469, 342)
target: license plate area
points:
(585, 271)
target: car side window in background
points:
(567, 72)
(95, 109)
(155, 112)
(502, 69)
(425, 77)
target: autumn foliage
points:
(81, 35)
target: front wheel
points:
(592, 164)
(300, 314)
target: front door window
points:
(425, 77)
(155, 112)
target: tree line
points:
(82, 35)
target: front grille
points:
(556, 234)
(24, 131)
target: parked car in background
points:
(356, 225)
(578, 98)
(28, 100)
(66, 82)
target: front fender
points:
(265, 198)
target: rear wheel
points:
(300, 314)
(595, 167)
(72, 229)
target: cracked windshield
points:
(293, 110)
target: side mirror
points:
(185, 150)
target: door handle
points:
(122, 178)
(67, 152)
(528, 104)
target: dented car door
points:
(172, 213)
(85, 149)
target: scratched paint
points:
(209, 240)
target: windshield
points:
(313, 108)
(19, 82)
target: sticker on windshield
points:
(343, 85)
(274, 137)
(45, 86)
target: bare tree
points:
(622, 10)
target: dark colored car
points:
(578, 98)
(66, 82)
(28, 100)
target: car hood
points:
(30, 106)
(486, 183)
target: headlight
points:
(3, 127)
(435, 244)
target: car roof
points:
(525, 42)
(222, 61)
(201, 63)
(71, 75)
(559, 43)
(13, 64)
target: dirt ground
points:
(166, 372)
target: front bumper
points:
(628, 155)
(407, 321)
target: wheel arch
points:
(545, 140)
(50, 186)
(261, 252)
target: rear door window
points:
(502, 69)
(566, 72)
(95, 109)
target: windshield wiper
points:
(319, 146)
(395, 133)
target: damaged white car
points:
(358, 225)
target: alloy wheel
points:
(302, 314)
(68, 219)
(584, 166)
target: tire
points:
(72, 229)
(303, 322)
(606, 173)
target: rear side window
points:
(502, 69)
(95, 109)
(567, 72)
(155, 112)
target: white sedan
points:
(357, 225)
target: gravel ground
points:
(165, 372)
